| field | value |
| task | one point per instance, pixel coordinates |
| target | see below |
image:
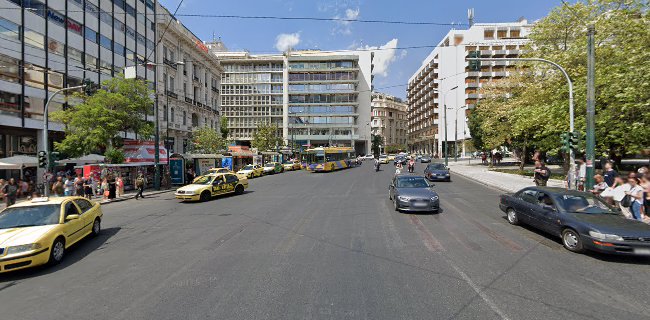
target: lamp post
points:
(445, 115)
(456, 132)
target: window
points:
(83, 204)
(9, 30)
(488, 33)
(91, 62)
(231, 178)
(34, 38)
(9, 103)
(528, 196)
(35, 76)
(92, 9)
(119, 3)
(55, 47)
(184, 118)
(106, 42)
(91, 35)
(172, 115)
(34, 6)
(119, 25)
(9, 70)
(130, 32)
(502, 34)
(71, 209)
(130, 10)
(118, 48)
(515, 34)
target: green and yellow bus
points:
(327, 159)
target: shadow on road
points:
(73, 254)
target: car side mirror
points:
(71, 217)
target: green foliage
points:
(114, 155)
(223, 127)
(207, 140)
(266, 137)
(376, 143)
(535, 112)
(120, 106)
(395, 148)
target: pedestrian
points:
(120, 185)
(542, 174)
(411, 165)
(68, 186)
(609, 174)
(10, 192)
(112, 187)
(581, 174)
(104, 189)
(190, 175)
(618, 193)
(642, 172)
(58, 188)
(636, 197)
(79, 186)
(645, 183)
(88, 188)
(140, 182)
(2, 185)
(483, 158)
(600, 185)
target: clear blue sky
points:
(264, 36)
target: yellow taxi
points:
(205, 187)
(291, 165)
(39, 231)
(391, 157)
(219, 170)
(251, 171)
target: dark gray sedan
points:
(413, 193)
(438, 172)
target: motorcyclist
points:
(377, 164)
(411, 165)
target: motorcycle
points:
(377, 165)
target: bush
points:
(114, 156)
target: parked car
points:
(425, 159)
(251, 171)
(291, 165)
(383, 159)
(582, 220)
(40, 231)
(413, 193)
(437, 172)
(272, 168)
(368, 157)
(208, 186)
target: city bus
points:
(327, 159)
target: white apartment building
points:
(432, 86)
(188, 83)
(49, 45)
(389, 119)
(314, 98)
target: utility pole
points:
(591, 107)
(445, 115)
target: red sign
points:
(74, 26)
(201, 46)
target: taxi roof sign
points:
(41, 199)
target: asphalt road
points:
(325, 246)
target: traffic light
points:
(565, 142)
(42, 159)
(54, 157)
(574, 138)
(89, 87)
(474, 65)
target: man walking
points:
(10, 192)
(542, 174)
(139, 184)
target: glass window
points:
(83, 204)
(130, 10)
(91, 35)
(34, 6)
(118, 48)
(9, 103)
(55, 47)
(9, 30)
(130, 32)
(92, 9)
(74, 26)
(10, 69)
(35, 76)
(119, 4)
(34, 38)
(91, 62)
(106, 42)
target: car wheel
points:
(239, 189)
(390, 197)
(97, 227)
(57, 251)
(205, 196)
(395, 205)
(571, 241)
(512, 216)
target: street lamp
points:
(456, 132)
(156, 180)
(445, 115)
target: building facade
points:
(188, 83)
(49, 45)
(444, 90)
(313, 98)
(389, 119)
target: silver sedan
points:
(413, 193)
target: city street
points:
(302, 245)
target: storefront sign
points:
(55, 17)
(201, 46)
(74, 26)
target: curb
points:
(479, 181)
(105, 202)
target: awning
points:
(18, 162)
(87, 159)
(202, 156)
(142, 151)
(241, 154)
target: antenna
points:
(470, 16)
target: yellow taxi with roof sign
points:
(205, 187)
(40, 231)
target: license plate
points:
(420, 204)
(642, 251)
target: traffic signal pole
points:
(591, 108)
(46, 145)
(572, 157)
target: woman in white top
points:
(636, 192)
(620, 188)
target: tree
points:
(223, 127)
(532, 111)
(395, 148)
(120, 106)
(376, 142)
(207, 140)
(266, 137)
(114, 155)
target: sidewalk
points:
(502, 181)
(126, 196)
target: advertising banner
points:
(257, 159)
(226, 162)
(176, 171)
(203, 165)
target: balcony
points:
(170, 63)
(188, 100)
(171, 94)
(214, 89)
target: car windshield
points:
(412, 182)
(30, 216)
(437, 166)
(270, 165)
(203, 180)
(248, 167)
(583, 203)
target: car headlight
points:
(434, 198)
(23, 248)
(403, 198)
(189, 193)
(447, 173)
(603, 236)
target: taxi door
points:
(73, 226)
(231, 182)
(88, 213)
(218, 185)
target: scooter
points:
(377, 165)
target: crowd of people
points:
(630, 193)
